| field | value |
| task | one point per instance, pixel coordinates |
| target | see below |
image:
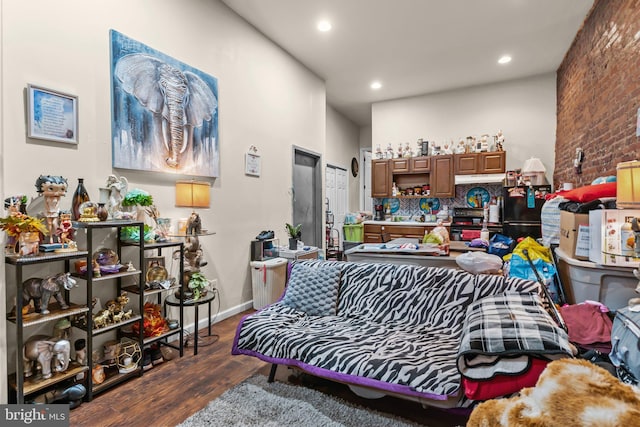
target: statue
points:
(52, 188)
(118, 188)
(41, 291)
(52, 354)
(66, 232)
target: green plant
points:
(294, 232)
(137, 197)
(197, 283)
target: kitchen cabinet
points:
(401, 165)
(443, 183)
(379, 233)
(479, 163)
(31, 266)
(420, 164)
(380, 178)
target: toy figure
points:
(52, 188)
(499, 139)
(65, 231)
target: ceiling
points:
(416, 47)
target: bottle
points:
(494, 210)
(484, 233)
(627, 237)
(79, 197)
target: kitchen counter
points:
(428, 224)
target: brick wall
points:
(599, 93)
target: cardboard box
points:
(574, 234)
(606, 245)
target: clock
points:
(354, 167)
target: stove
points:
(467, 223)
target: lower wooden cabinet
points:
(378, 233)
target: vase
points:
(293, 244)
(102, 212)
(28, 243)
(79, 197)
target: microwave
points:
(262, 250)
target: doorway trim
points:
(318, 191)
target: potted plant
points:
(26, 229)
(137, 199)
(198, 284)
(294, 232)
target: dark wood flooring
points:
(170, 392)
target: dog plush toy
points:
(570, 392)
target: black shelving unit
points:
(16, 381)
(104, 280)
(164, 338)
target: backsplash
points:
(466, 194)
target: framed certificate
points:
(252, 164)
(52, 115)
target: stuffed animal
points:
(569, 392)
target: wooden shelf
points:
(98, 331)
(55, 313)
(44, 257)
(36, 383)
(115, 379)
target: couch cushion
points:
(313, 289)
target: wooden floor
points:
(170, 392)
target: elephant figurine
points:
(52, 354)
(179, 101)
(41, 291)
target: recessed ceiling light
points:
(324, 26)
(504, 59)
(376, 85)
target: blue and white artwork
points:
(165, 113)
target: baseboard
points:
(203, 323)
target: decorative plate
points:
(157, 273)
(424, 204)
(477, 197)
(106, 257)
(394, 204)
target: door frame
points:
(363, 184)
(319, 191)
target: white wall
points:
(266, 99)
(342, 146)
(524, 109)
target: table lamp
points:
(628, 196)
(193, 194)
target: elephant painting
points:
(165, 112)
(179, 101)
(52, 354)
(41, 291)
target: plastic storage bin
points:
(268, 280)
(354, 233)
(585, 280)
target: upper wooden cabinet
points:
(380, 178)
(442, 182)
(420, 164)
(478, 163)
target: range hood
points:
(484, 178)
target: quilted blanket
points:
(395, 327)
(503, 332)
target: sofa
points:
(387, 328)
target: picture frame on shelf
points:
(52, 115)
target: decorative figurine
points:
(80, 346)
(407, 151)
(41, 291)
(418, 151)
(194, 225)
(118, 188)
(61, 329)
(389, 151)
(50, 353)
(66, 233)
(130, 267)
(461, 148)
(52, 188)
(499, 140)
(484, 142)
(379, 154)
(447, 148)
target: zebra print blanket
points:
(397, 328)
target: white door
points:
(336, 182)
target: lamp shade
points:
(192, 194)
(533, 165)
(628, 184)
